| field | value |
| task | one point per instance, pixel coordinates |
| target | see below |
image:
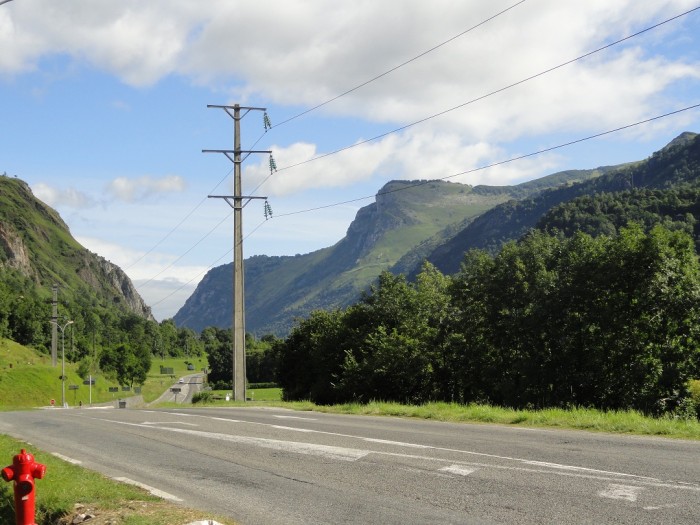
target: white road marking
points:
(399, 443)
(67, 459)
(625, 492)
(327, 451)
(659, 507)
(169, 423)
(280, 427)
(458, 469)
(352, 454)
(296, 417)
(156, 492)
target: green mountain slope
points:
(405, 216)
(37, 245)
(677, 163)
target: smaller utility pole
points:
(237, 201)
(54, 324)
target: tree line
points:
(550, 321)
(102, 338)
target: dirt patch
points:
(157, 513)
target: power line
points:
(188, 251)
(423, 183)
(549, 70)
(387, 72)
(208, 268)
(482, 97)
(174, 229)
(492, 165)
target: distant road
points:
(182, 392)
(274, 466)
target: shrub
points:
(202, 397)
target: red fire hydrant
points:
(23, 471)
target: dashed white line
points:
(156, 492)
(458, 469)
(624, 492)
(67, 459)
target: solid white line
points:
(399, 443)
(280, 427)
(296, 417)
(169, 423)
(156, 492)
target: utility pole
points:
(54, 324)
(237, 201)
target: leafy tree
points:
(218, 346)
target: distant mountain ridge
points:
(37, 243)
(513, 219)
(415, 221)
(405, 218)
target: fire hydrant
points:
(24, 470)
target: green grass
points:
(64, 485)
(615, 422)
(588, 419)
(27, 379)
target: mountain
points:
(675, 164)
(405, 218)
(415, 221)
(37, 244)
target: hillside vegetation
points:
(28, 380)
(408, 219)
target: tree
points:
(218, 347)
(130, 365)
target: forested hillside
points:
(399, 230)
(598, 305)
(111, 331)
(676, 164)
(609, 322)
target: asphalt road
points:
(182, 392)
(274, 466)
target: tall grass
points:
(618, 422)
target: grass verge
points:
(614, 422)
(67, 490)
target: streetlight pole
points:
(63, 360)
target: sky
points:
(103, 111)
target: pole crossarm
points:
(229, 198)
(231, 153)
(227, 109)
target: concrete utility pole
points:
(237, 201)
(54, 324)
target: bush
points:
(202, 397)
(262, 385)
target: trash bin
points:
(122, 404)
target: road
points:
(182, 392)
(275, 466)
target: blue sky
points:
(103, 110)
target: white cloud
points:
(162, 285)
(130, 190)
(69, 197)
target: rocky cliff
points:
(37, 243)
